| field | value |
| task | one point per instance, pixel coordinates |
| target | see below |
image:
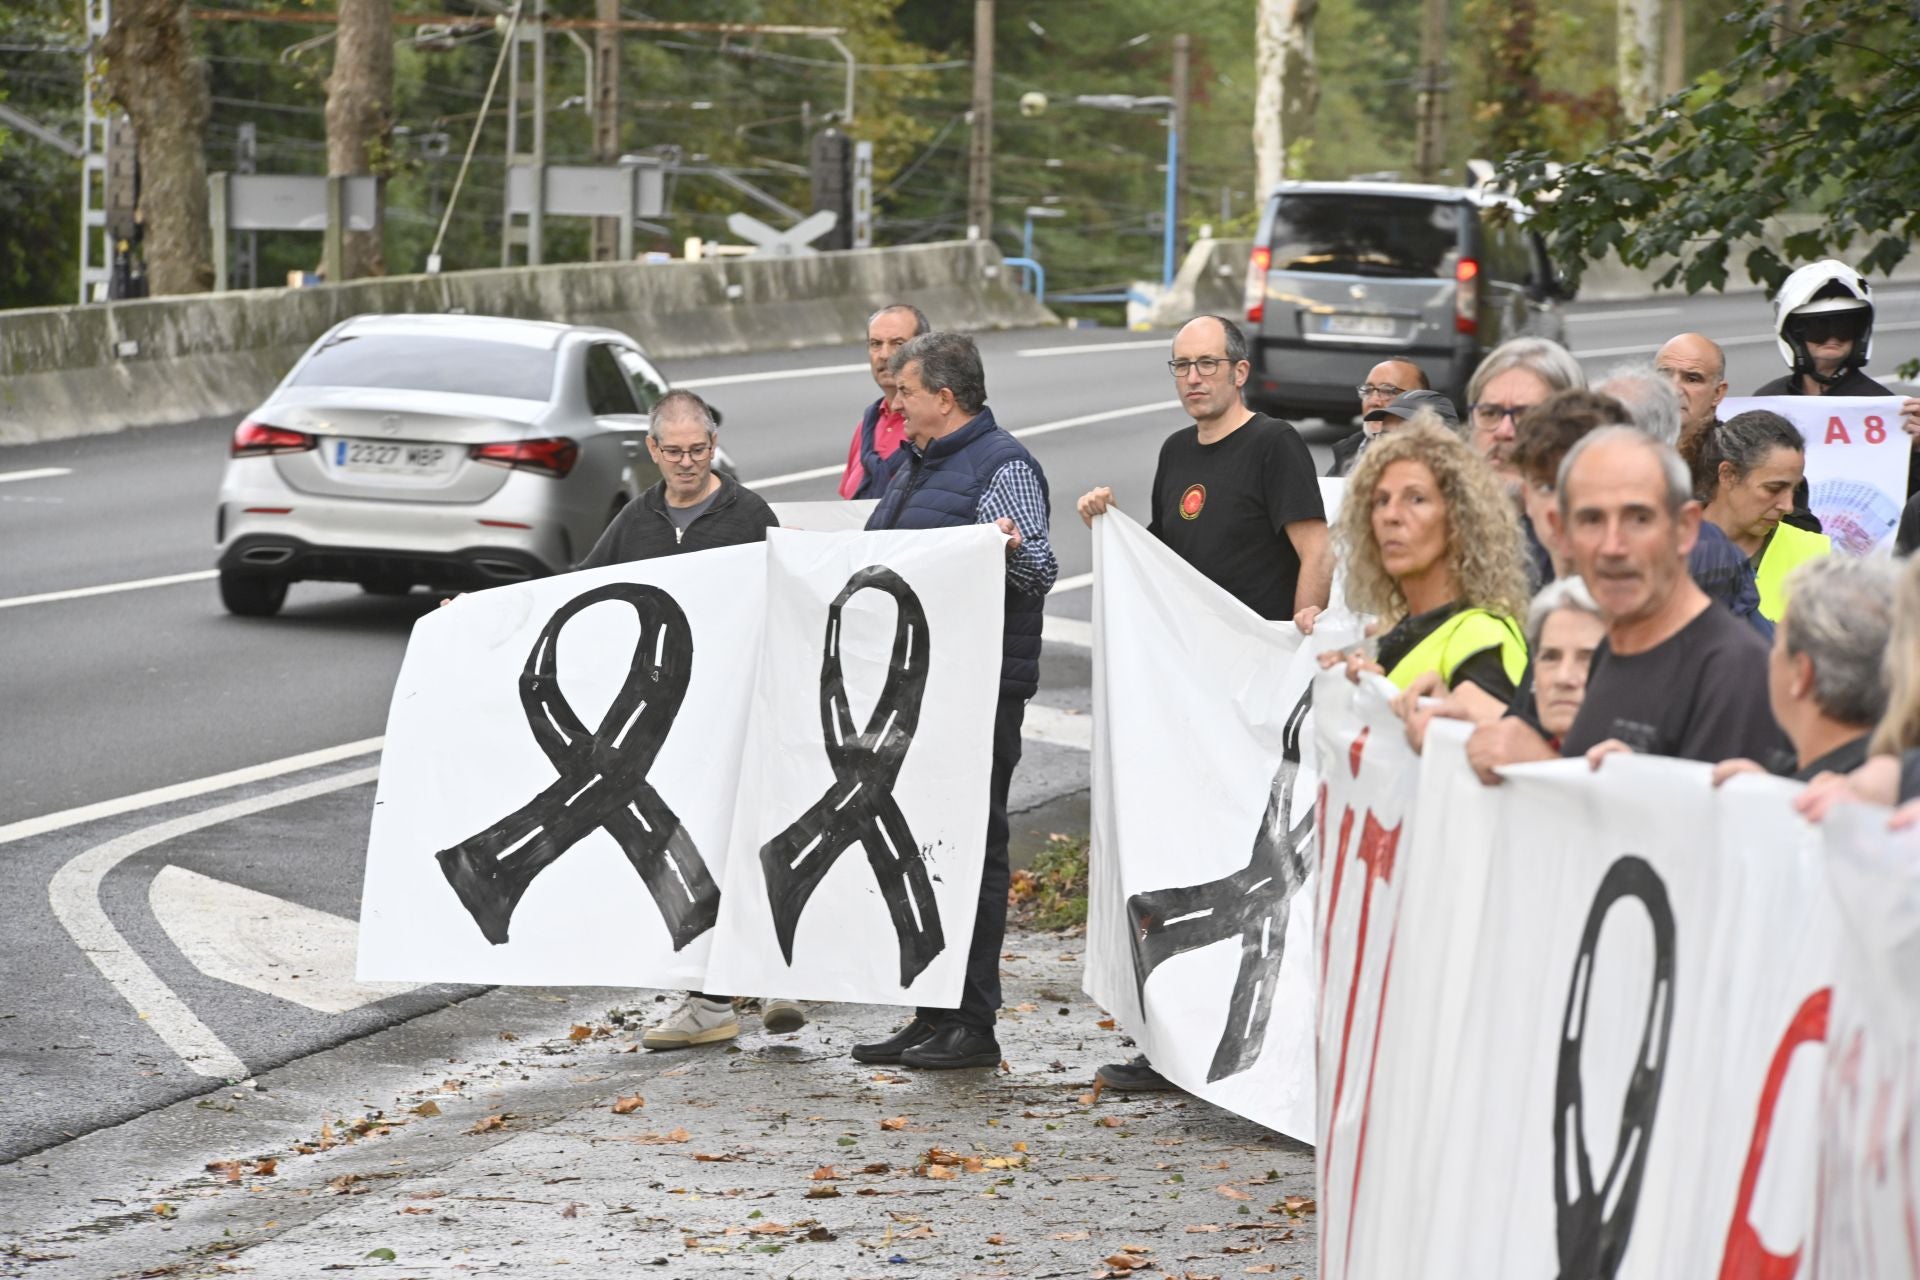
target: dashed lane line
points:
(74, 893)
(1098, 348)
(186, 790)
(37, 473)
(773, 375)
(108, 588)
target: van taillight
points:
(251, 439)
(1466, 297)
(553, 455)
(1256, 296)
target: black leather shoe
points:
(954, 1045)
(890, 1049)
(1134, 1076)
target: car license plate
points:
(392, 458)
(1358, 326)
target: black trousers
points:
(980, 995)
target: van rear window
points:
(1356, 235)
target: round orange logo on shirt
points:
(1192, 501)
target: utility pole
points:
(980, 153)
(606, 116)
(1181, 47)
(1430, 136)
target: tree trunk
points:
(360, 117)
(1288, 88)
(1639, 57)
(155, 76)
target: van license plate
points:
(391, 458)
(1358, 326)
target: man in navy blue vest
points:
(961, 469)
(874, 454)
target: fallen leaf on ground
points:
(427, 1108)
(1263, 1268)
(508, 1035)
(579, 1032)
(672, 1135)
(490, 1123)
(1110, 1122)
(572, 1210)
(887, 1077)
(894, 1122)
(1019, 1146)
(1194, 1228)
(1231, 1192)
(415, 1208)
(626, 1106)
(1126, 1262)
(265, 1168)
(1070, 1235)
(1106, 1024)
(918, 1233)
(1136, 1248)
(876, 1167)
(940, 1172)
(1297, 1205)
(1026, 1008)
(708, 1158)
(164, 1210)
(996, 1240)
(231, 1168)
(822, 1193)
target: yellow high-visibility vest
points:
(1787, 549)
(1459, 638)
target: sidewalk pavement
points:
(503, 1136)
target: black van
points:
(1346, 274)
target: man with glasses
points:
(691, 508)
(1235, 496)
(1385, 381)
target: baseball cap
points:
(1408, 403)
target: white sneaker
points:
(779, 1017)
(696, 1021)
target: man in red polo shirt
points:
(875, 450)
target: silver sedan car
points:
(454, 452)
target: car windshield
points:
(426, 362)
(1359, 235)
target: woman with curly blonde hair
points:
(1432, 548)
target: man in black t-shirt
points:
(1235, 496)
(1675, 676)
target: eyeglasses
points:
(674, 453)
(1368, 390)
(1207, 365)
(1488, 414)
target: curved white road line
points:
(74, 894)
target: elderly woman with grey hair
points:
(1827, 677)
(1564, 629)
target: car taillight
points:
(1256, 296)
(251, 439)
(551, 455)
(1466, 297)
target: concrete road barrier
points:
(68, 371)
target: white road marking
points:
(74, 894)
(1744, 340)
(1041, 429)
(1096, 348)
(1068, 631)
(186, 790)
(263, 943)
(108, 588)
(1057, 728)
(1637, 313)
(774, 375)
(38, 473)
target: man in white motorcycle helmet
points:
(1823, 323)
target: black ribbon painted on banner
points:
(860, 807)
(603, 779)
(1251, 904)
(1593, 1243)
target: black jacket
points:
(643, 529)
(1346, 451)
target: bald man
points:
(1697, 368)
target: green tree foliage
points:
(1818, 116)
(40, 70)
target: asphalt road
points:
(134, 688)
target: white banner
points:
(856, 854)
(1857, 459)
(557, 797)
(1593, 1003)
(1200, 920)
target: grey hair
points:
(1236, 339)
(1745, 440)
(1650, 400)
(1546, 359)
(680, 406)
(1840, 614)
(948, 362)
(920, 322)
(1569, 592)
(1679, 483)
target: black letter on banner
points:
(1592, 1244)
(603, 779)
(859, 806)
(1250, 904)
